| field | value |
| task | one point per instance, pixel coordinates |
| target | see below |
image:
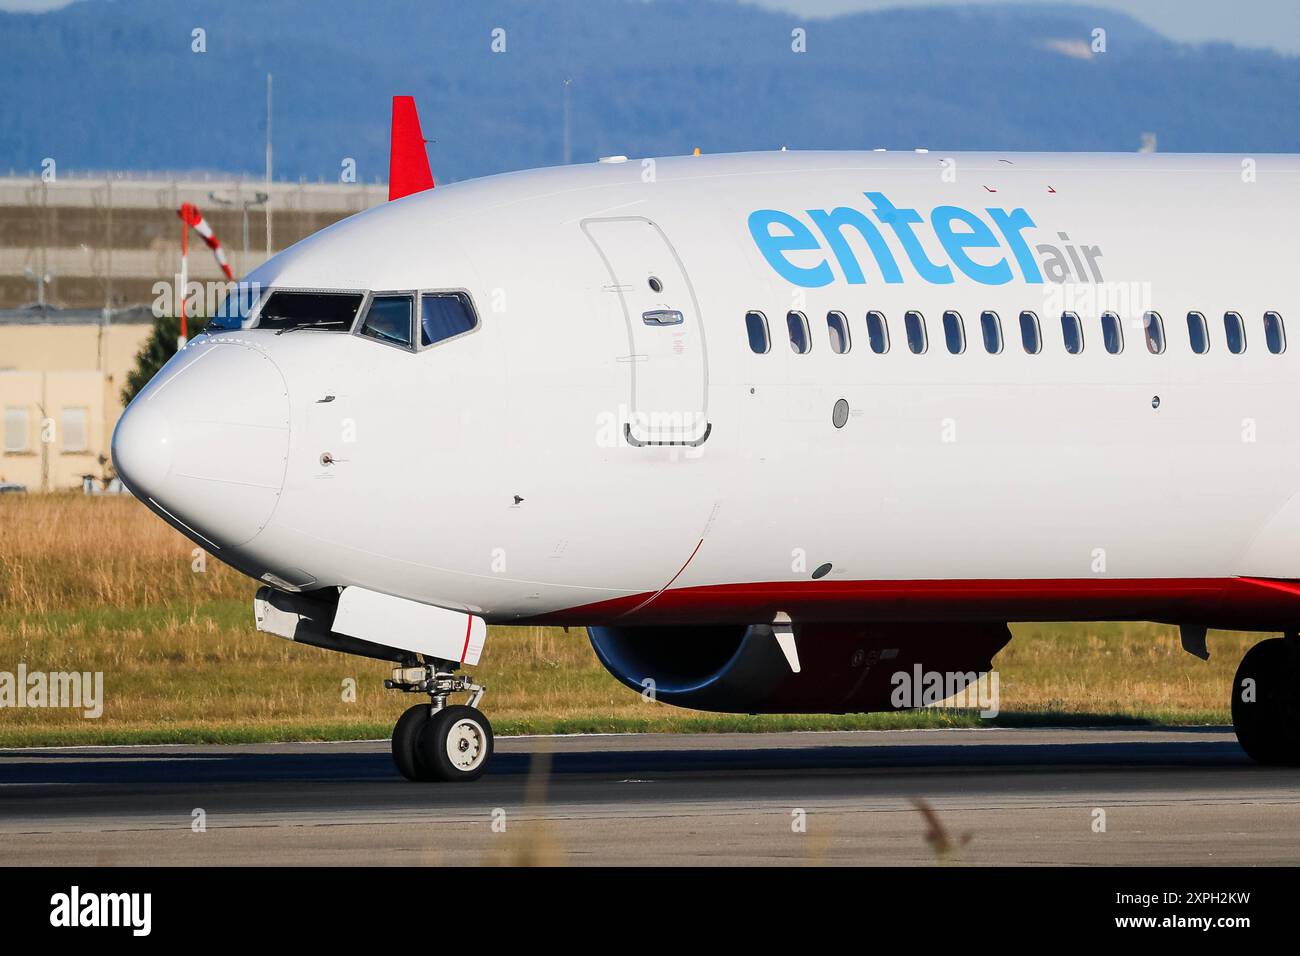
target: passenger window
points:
(1198, 333)
(1112, 333)
(1031, 336)
(914, 326)
(756, 326)
(799, 338)
(1234, 332)
(1155, 330)
(389, 320)
(991, 327)
(1274, 333)
(878, 332)
(954, 332)
(838, 327)
(1072, 332)
(445, 315)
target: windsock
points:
(191, 216)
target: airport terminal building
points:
(61, 375)
(80, 263)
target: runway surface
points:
(998, 796)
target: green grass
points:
(690, 724)
(202, 674)
(101, 585)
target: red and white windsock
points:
(194, 219)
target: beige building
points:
(80, 263)
(61, 377)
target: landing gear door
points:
(666, 360)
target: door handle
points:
(662, 317)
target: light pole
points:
(42, 278)
(268, 164)
(567, 136)
(258, 199)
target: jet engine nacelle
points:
(842, 668)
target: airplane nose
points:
(142, 448)
(207, 441)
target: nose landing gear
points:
(438, 741)
(1266, 701)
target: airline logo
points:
(991, 249)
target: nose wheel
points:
(437, 741)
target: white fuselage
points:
(514, 471)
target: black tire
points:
(406, 743)
(463, 731)
(1268, 727)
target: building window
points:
(1154, 327)
(838, 327)
(1198, 333)
(1274, 333)
(1072, 332)
(914, 326)
(1234, 332)
(756, 326)
(1112, 333)
(878, 332)
(954, 332)
(1031, 336)
(74, 430)
(17, 429)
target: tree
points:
(157, 349)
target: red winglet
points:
(408, 163)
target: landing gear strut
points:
(437, 740)
(1266, 701)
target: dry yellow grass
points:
(72, 552)
(100, 584)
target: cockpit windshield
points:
(445, 315)
(389, 320)
(238, 306)
(324, 311)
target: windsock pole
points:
(191, 218)
(185, 262)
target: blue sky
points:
(1258, 23)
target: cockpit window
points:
(389, 320)
(444, 315)
(325, 311)
(238, 306)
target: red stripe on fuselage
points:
(469, 626)
(1246, 603)
(670, 583)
